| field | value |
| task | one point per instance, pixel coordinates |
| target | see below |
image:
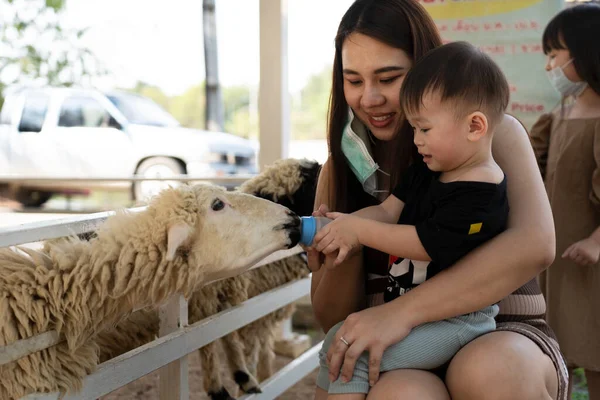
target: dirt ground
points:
(146, 388)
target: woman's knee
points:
(408, 384)
(502, 365)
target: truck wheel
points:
(156, 167)
(32, 198)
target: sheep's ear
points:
(177, 235)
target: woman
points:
(376, 44)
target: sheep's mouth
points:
(292, 227)
(294, 236)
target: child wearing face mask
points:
(566, 143)
(448, 203)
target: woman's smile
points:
(381, 120)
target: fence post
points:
(173, 383)
(273, 92)
(289, 343)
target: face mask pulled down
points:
(356, 147)
(564, 85)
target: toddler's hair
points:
(461, 73)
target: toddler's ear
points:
(478, 126)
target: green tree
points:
(309, 108)
(37, 48)
(189, 107)
(242, 123)
(235, 98)
(238, 119)
(152, 92)
(308, 113)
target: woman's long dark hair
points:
(402, 24)
(577, 29)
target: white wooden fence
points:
(177, 338)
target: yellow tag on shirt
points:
(475, 228)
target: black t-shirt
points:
(451, 219)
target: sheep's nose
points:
(293, 228)
(295, 219)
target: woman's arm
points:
(335, 292)
(500, 266)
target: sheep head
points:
(223, 232)
(290, 182)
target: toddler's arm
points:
(348, 232)
(389, 211)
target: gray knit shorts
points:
(428, 346)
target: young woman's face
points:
(560, 58)
(373, 74)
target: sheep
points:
(248, 351)
(290, 182)
(259, 336)
(185, 237)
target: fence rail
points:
(238, 179)
(56, 228)
(170, 351)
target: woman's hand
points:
(585, 252)
(340, 235)
(374, 330)
(321, 211)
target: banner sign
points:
(511, 32)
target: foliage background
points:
(37, 49)
(308, 107)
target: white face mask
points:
(357, 150)
(564, 85)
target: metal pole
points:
(214, 118)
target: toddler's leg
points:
(323, 375)
(431, 345)
(427, 346)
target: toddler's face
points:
(440, 137)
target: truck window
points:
(81, 111)
(34, 112)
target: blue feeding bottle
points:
(309, 228)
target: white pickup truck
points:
(69, 135)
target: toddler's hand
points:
(339, 235)
(585, 252)
(315, 258)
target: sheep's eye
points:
(217, 205)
